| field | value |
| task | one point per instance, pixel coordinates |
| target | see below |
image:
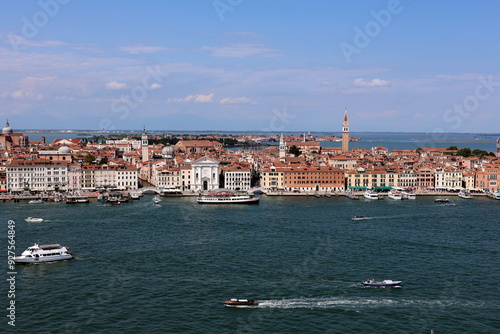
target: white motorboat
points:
(408, 195)
(34, 220)
(359, 218)
(496, 195)
(44, 253)
(234, 302)
(395, 194)
(224, 196)
(381, 284)
(36, 201)
(371, 194)
(465, 194)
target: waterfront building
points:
(236, 177)
(205, 174)
(272, 178)
(488, 178)
(36, 176)
(448, 178)
(74, 177)
(345, 133)
(320, 179)
(425, 178)
(169, 177)
(186, 172)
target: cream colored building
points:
(204, 174)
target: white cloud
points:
(154, 86)
(236, 100)
(116, 85)
(373, 83)
(198, 98)
(242, 50)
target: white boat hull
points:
(31, 260)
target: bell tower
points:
(282, 154)
(144, 146)
(345, 133)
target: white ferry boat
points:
(44, 253)
(371, 194)
(395, 194)
(464, 194)
(225, 196)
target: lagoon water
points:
(140, 268)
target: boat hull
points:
(383, 284)
(228, 201)
(45, 259)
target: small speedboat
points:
(381, 284)
(441, 200)
(234, 302)
(36, 201)
(359, 218)
(34, 220)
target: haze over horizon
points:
(235, 65)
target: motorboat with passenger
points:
(33, 220)
(359, 218)
(441, 200)
(381, 284)
(234, 302)
(44, 253)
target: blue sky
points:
(422, 66)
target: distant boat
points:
(496, 194)
(234, 302)
(34, 220)
(441, 200)
(36, 201)
(381, 284)
(359, 218)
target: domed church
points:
(10, 139)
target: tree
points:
(465, 152)
(452, 148)
(89, 158)
(295, 150)
(103, 161)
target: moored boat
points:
(234, 302)
(44, 253)
(408, 195)
(381, 284)
(34, 220)
(395, 194)
(77, 199)
(465, 194)
(371, 194)
(496, 195)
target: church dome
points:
(7, 130)
(167, 150)
(64, 150)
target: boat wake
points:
(359, 303)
